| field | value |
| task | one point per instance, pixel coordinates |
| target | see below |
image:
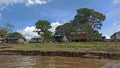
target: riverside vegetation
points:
(70, 46)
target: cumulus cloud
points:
(116, 1)
(54, 25)
(28, 32)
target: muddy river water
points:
(55, 62)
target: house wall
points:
(113, 37)
(21, 40)
(36, 40)
(118, 36)
(78, 37)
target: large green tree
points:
(43, 26)
(86, 16)
(86, 20)
(89, 21)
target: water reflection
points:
(55, 62)
(17, 62)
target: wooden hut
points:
(78, 36)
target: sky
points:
(23, 14)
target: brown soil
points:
(62, 53)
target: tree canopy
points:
(3, 33)
(15, 35)
(86, 20)
(4, 30)
(43, 26)
(86, 16)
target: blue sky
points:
(24, 13)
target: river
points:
(17, 61)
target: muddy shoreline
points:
(103, 55)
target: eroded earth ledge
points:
(106, 55)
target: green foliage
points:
(15, 35)
(3, 33)
(64, 29)
(96, 36)
(48, 35)
(86, 20)
(94, 18)
(70, 47)
(44, 27)
(6, 29)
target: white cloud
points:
(28, 32)
(10, 2)
(29, 2)
(117, 24)
(107, 36)
(26, 2)
(116, 1)
(54, 25)
(5, 3)
(33, 2)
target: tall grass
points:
(71, 46)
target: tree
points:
(15, 35)
(89, 16)
(89, 21)
(9, 27)
(5, 30)
(43, 26)
(3, 34)
(86, 20)
(64, 29)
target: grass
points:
(72, 46)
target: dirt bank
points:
(62, 53)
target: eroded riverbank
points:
(106, 55)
